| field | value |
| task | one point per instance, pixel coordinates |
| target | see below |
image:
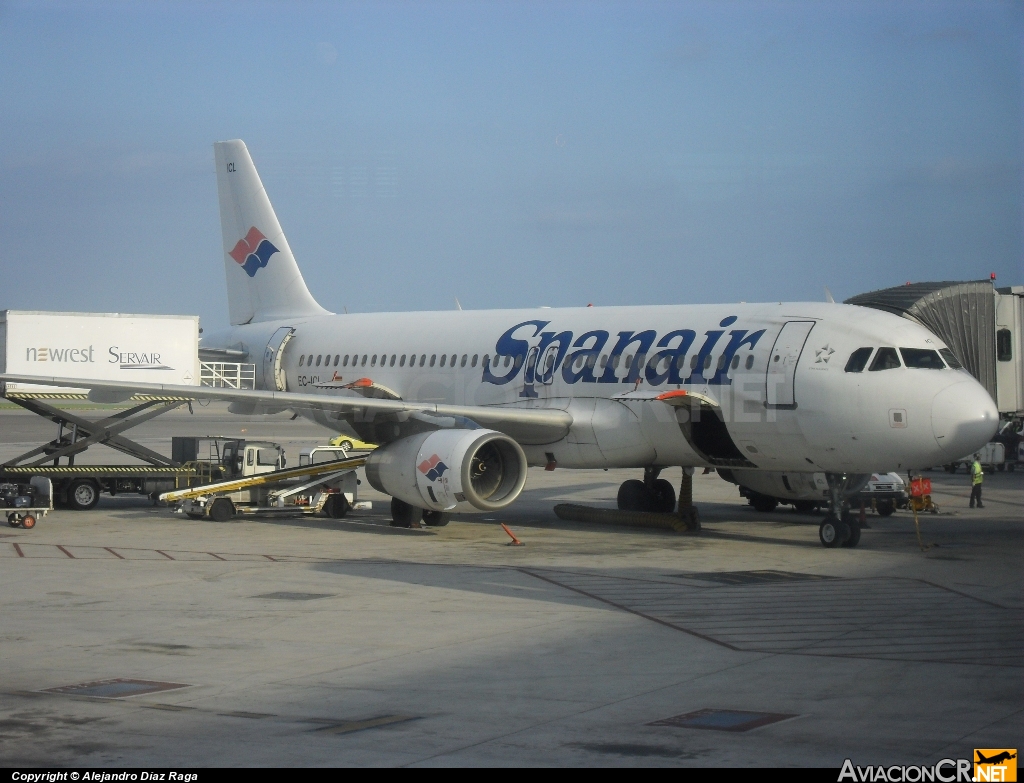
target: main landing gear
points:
(406, 515)
(656, 495)
(651, 494)
(840, 527)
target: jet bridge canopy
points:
(962, 314)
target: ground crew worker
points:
(977, 475)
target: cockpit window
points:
(950, 358)
(885, 359)
(859, 360)
(922, 359)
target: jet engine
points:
(445, 469)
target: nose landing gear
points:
(840, 527)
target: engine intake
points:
(445, 469)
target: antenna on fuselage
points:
(828, 296)
(458, 304)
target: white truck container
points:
(107, 346)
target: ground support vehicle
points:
(25, 504)
(884, 493)
(328, 488)
(79, 486)
(992, 457)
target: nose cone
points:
(964, 418)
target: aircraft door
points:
(273, 375)
(780, 378)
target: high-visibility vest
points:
(977, 474)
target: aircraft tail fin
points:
(264, 282)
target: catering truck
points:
(114, 346)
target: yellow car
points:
(352, 444)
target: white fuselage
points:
(775, 374)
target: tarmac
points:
(131, 636)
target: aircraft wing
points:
(531, 426)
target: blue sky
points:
(511, 154)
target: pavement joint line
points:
(160, 551)
(65, 551)
(17, 548)
(115, 554)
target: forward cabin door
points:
(780, 379)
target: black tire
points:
(885, 508)
(633, 496)
(805, 506)
(336, 506)
(83, 494)
(764, 503)
(950, 468)
(436, 518)
(854, 537)
(404, 515)
(192, 515)
(13, 520)
(222, 510)
(833, 533)
(664, 497)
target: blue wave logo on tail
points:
(253, 252)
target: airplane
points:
(1004, 756)
(462, 402)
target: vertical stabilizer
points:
(264, 282)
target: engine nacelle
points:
(445, 469)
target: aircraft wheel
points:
(336, 506)
(633, 496)
(832, 533)
(664, 496)
(885, 508)
(222, 510)
(83, 495)
(854, 538)
(28, 522)
(436, 518)
(405, 515)
(764, 503)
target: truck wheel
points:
(885, 508)
(28, 522)
(764, 503)
(805, 506)
(436, 518)
(83, 495)
(336, 506)
(222, 510)
(13, 521)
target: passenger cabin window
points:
(309, 361)
(693, 362)
(473, 362)
(735, 362)
(1004, 345)
(922, 359)
(344, 362)
(885, 359)
(950, 358)
(302, 360)
(336, 358)
(317, 361)
(363, 362)
(750, 361)
(463, 362)
(487, 359)
(373, 360)
(401, 362)
(433, 359)
(442, 359)
(423, 360)
(393, 357)
(859, 360)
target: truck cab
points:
(241, 458)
